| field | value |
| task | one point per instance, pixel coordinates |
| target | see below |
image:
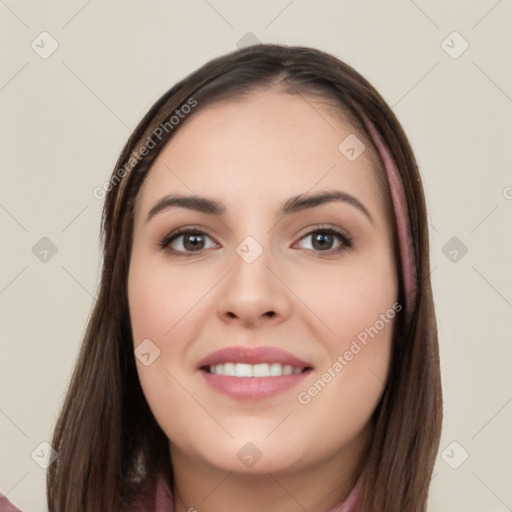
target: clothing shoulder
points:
(6, 505)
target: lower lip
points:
(246, 388)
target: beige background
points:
(66, 117)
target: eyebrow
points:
(294, 204)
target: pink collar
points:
(161, 500)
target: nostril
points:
(270, 313)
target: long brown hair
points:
(109, 444)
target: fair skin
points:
(253, 155)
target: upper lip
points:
(239, 354)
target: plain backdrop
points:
(66, 115)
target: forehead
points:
(267, 146)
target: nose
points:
(253, 295)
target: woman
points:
(291, 363)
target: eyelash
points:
(343, 237)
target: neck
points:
(198, 486)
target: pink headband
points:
(401, 214)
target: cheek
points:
(360, 302)
(350, 299)
(150, 317)
(360, 312)
(159, 297)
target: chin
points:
(250, 453)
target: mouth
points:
(257, 373)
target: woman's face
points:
(263, 328)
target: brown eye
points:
(186, 242)
(193, 242)
(321, 241)
(326, 240)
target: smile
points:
(253, 373)
(254, 370)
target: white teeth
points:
(243, 370)
(254, 370)
(261, 370)
(276, 369)
(227, 369)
